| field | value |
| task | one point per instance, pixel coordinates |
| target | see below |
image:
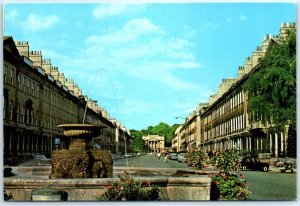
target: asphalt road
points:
(272, 185)
(149, 161)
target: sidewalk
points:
(278, 169)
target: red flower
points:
(243, 176)
(217, 182)
(109, 187)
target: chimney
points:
(55, 73)
(241, 72)
(248, 64)
(36, 58)
(70, 84)
(46, 65)
(23, 48)
(285, 27)
(61, 78)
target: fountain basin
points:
(89, 189)
(84, 131)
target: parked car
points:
(129, 155)
(172, 156)
(182, 157)
(42, 159)
(249, 162)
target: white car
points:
(42, 159)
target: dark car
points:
(254, 164)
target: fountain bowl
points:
(84, 131)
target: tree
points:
(138, 144)
(272, 89)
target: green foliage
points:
(231, 187)
(128, 189)
(272, 89)
(226, 161)
(138, 144)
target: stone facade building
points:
(155, 143)
(37, 98)
(226, 121)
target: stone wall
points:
(88, 189)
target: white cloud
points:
(11, 15)
(243, 17)
(143, 50)
(37, 22)
(130, 32)
(110, 10)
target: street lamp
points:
(180, 118)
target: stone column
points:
(250, 145)
(241, 144)
(271, 143)
(18, 142)
(276, 144)
(23, 143)
(32, 143)
(10, 142)
(281, 142)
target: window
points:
(32, 88)
(23, 114)
(28, 86)
(18, 81)
(33, 119)
(28, 111)
(24, 80)
(11, 110)
(4, 73)
(12, 76)
(37, 90)
(18, 112)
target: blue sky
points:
(146, 63)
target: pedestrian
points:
(166, 157)
(158, 157)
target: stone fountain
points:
(81, 160)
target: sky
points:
(146, 63)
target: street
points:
(271, 185)
(149, 161)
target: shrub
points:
(226, 161)
(227, 185)
(128, 189)
(197, 159)
(231, 187)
